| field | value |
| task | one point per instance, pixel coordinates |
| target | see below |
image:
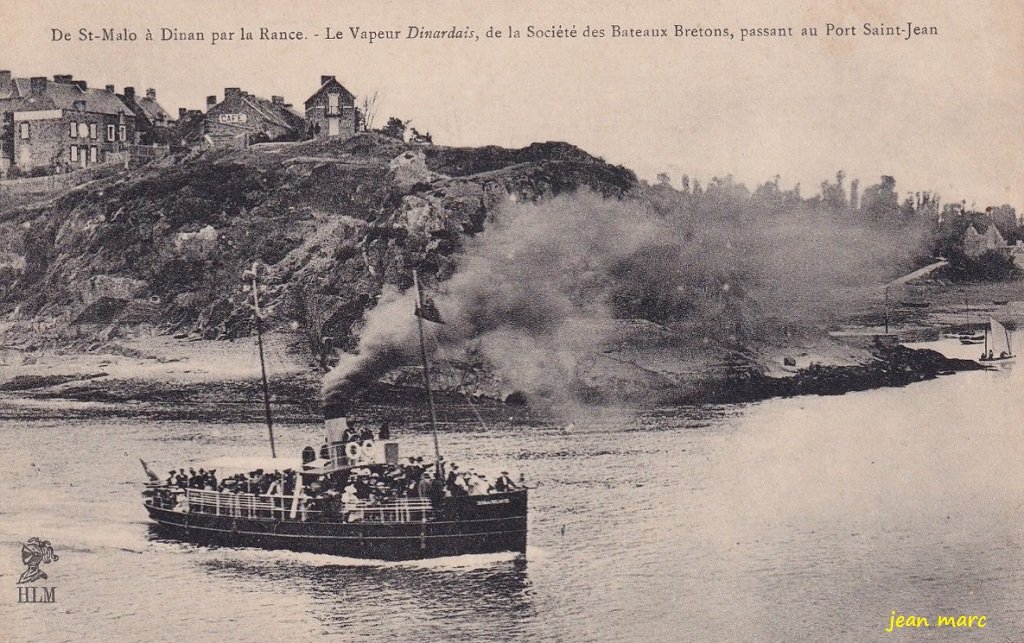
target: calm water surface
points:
(805, 519)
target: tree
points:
(880, 203)
(367, 112)
(416, 136)
(834, 196)
(1005, 219)
(395, 128)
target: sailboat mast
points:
(426, 369)
(263, 365)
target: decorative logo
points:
(34, 553)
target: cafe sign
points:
(233, 118)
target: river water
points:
(802, 519)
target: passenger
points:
(325, 451)
(366, 435)
(181, 479)
(453, 476)
(437, 488)
(172, 479)
(350, 500)
(504, 483)
(423, 485)
(385, 431)
(477, 487)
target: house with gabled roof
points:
(331, 110)
(152, 121)
(61, 124)
(242, 118)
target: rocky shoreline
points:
(57, 386)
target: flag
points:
(427, 309)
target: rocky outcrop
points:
(333, 222)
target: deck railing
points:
(290, 507)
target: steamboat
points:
(352, 497)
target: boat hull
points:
(466, 525)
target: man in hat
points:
(453, 476)
(423, 485)
(504, 483)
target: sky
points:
(942, 112)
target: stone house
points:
(242, 118)
(975, 243)
(61, 124)
(152, 121)
(331, 110)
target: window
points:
(73, 132)
(122, 133)
(110, 132)
(92, 130)
(74, 153)
(23, 130)
(92, 154)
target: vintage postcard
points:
(534, 321)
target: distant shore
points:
(219, 381)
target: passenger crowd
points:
(371, 485)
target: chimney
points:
(210, 101)
(5, 80)
(62, 78)
(110, 89)
(335, 412)
(129, 93)
(326, 79)
(38, 84)
(81, 84)
(182, 112)
(232, 93)
(277, 100)
(151, 93)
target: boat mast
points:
(887, 310)
(426, 370)
(263, 365)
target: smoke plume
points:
(539, 291)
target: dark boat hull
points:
(465, 525)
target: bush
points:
(990, 265)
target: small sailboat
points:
(997, 343)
